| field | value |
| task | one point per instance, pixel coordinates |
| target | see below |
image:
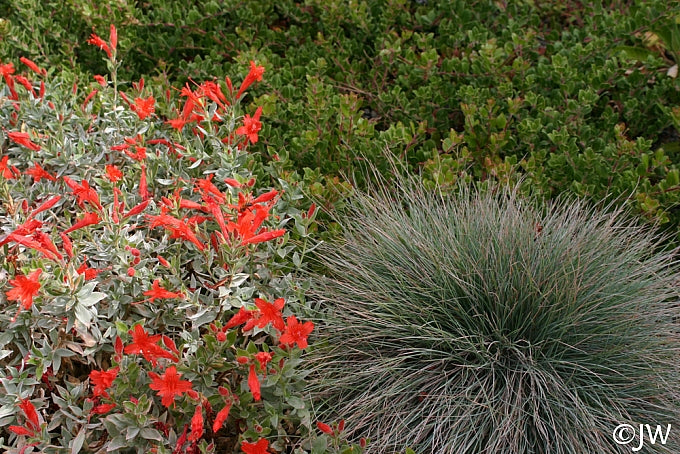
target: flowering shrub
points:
(147, 271)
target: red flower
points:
(296, 333)
(113, 37)
(66, 244)
(325, 428)
(100, 43)
(268, 312)
(255, 448)
(25, 288)
(147, 345)
(137, 209)
(22, 138)
(176, 123)
(254, 383)
(84, 192)
(6, 70)
(89, 97)
(113, 173)
(33, 67)
(103, 409)
(46, 205)
(157, 292)
(7, 172)
(264, 236)
(163, 262)
(143, 187)
(169, 385)
(144, 107)
(221, 417)
(32, 420)
(88, 219)
(255, 74)
(38, 173)
(196, 425)
(263, 358)
(242, 316)
(178, 228)
(100, 80)
(251, 126)
(102, 381)
(89, 273)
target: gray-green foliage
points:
(483, 322)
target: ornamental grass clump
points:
(483, 322)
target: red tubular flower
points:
(143, 187)
(7, 172)
(265, 236)
(89, 97)
(266, 197)
(296, 333)
(137, 209)
(45, 205)
(251, 126)
(241, 317)
(32, 66)
(267, 312)
(144, 107)
(158, 292)
(113, 173)
(255, 74)
(169, 385)
(221, 417)
(88, 219)
(27, 85)
(196, 425)
(232, 182)
(32, 421)
(263, 358)
(89, 273)
(100, 43)
(118, 349)
(83, 192)
(163, 262)
(147, 345)
(255, 448)
(113, 37)
(46, 243)
(67, 245)
(38, 173)
(102, 380)
(325, 428)
(6, 70)
(100, 80)
(23, 138)
(102, 409)
(254, 383)
(25, 288)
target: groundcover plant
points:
(482, 323)
(147, 300)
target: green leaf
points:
(634, 53)
(151, 434)
(77, 443)
(86, 296)
(319, 445)
(296, 402)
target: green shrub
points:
(483, 323)
(575, 96)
